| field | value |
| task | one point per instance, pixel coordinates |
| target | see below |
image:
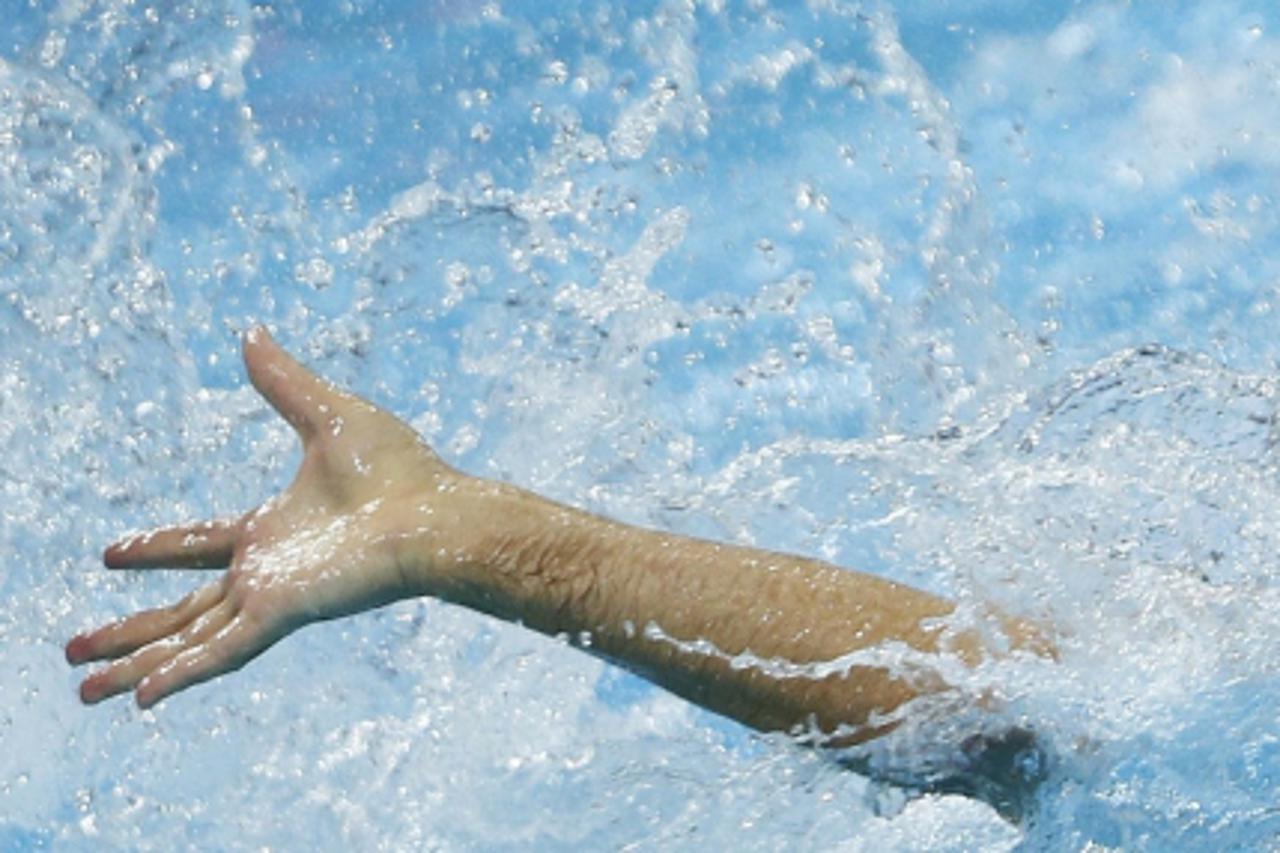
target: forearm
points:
(762, 637)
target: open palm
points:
(329, 545)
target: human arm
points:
(773, 640)
(374, 516)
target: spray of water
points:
(867, 283)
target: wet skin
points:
(323, 548)
(776, 641)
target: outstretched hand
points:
(776, 641)
(328, 546)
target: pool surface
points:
(980, 296)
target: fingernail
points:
(78, 649)
(255, 333)
(90, 694)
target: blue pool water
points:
(976, 295)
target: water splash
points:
(797, 276)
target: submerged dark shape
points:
(1005, 769)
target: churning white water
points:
(979, 296)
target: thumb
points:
(301, 397)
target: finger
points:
(239, 641)
(134, 632)
(127, 672)
(304, 399)
(202, 545)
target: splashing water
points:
(873, 283)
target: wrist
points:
(437, 537)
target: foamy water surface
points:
(976, 295)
